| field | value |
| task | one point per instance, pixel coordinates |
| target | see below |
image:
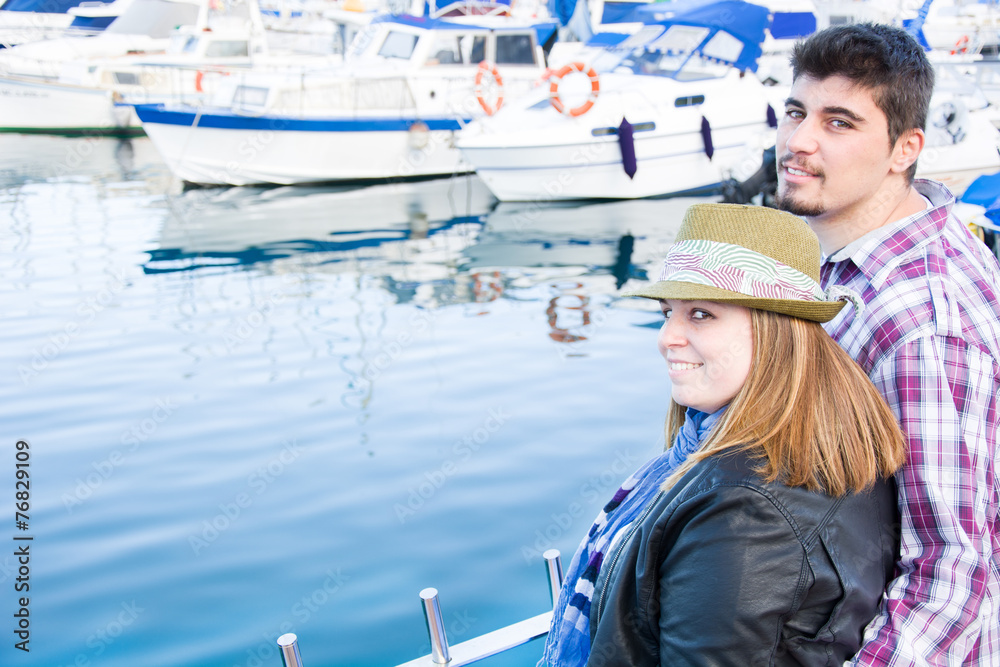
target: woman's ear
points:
(907, 150)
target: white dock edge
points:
(491, 643)
(473, 650)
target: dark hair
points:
(882, 58)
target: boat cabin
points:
(410, 41)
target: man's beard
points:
(787, 202)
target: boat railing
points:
(472, 650)
(308, 91)
(375, 92)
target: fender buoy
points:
(627, 144)
(595, 89)
(486, 68)
(961, 45)
(706, 137)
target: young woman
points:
(766, 533)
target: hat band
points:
(737, 269)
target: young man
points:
(928, 334)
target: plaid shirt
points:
(929, 338)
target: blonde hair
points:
(806, 410)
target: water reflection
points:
(428, 244)
(339, 226)
(32, 159)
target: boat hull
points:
(35, 106)
(667, 164)
(223, 149)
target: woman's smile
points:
(708, 347)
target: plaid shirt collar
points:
(879, 252)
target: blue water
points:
(253, 411)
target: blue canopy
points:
(44, 6)
(618, 12)
(985, 192)
(789, 25)
(463, 7)
(744, 21)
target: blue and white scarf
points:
(568, 642)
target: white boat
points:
(963, 26)
(962, 140)
(694, 117)
(50, 85)
(95, 93)
(391, 111)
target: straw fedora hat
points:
(750, 256)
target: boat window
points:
(679, 39)
(723, 46)
(126, 78)
(446, 50)
(228, 48)
(250, 96)
(478, 51)
(515, 50)
(608, 131)
(689, 101)
(398, 45)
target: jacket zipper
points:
(618, 552)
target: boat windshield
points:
(154, 18)
(398, 44)
(677, 51)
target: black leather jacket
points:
(724, 569)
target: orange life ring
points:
(490, 69)
(595, 89)
(200, 75)
(961, 45)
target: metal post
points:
(553, 565)
(435, 626)
(288, 644)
